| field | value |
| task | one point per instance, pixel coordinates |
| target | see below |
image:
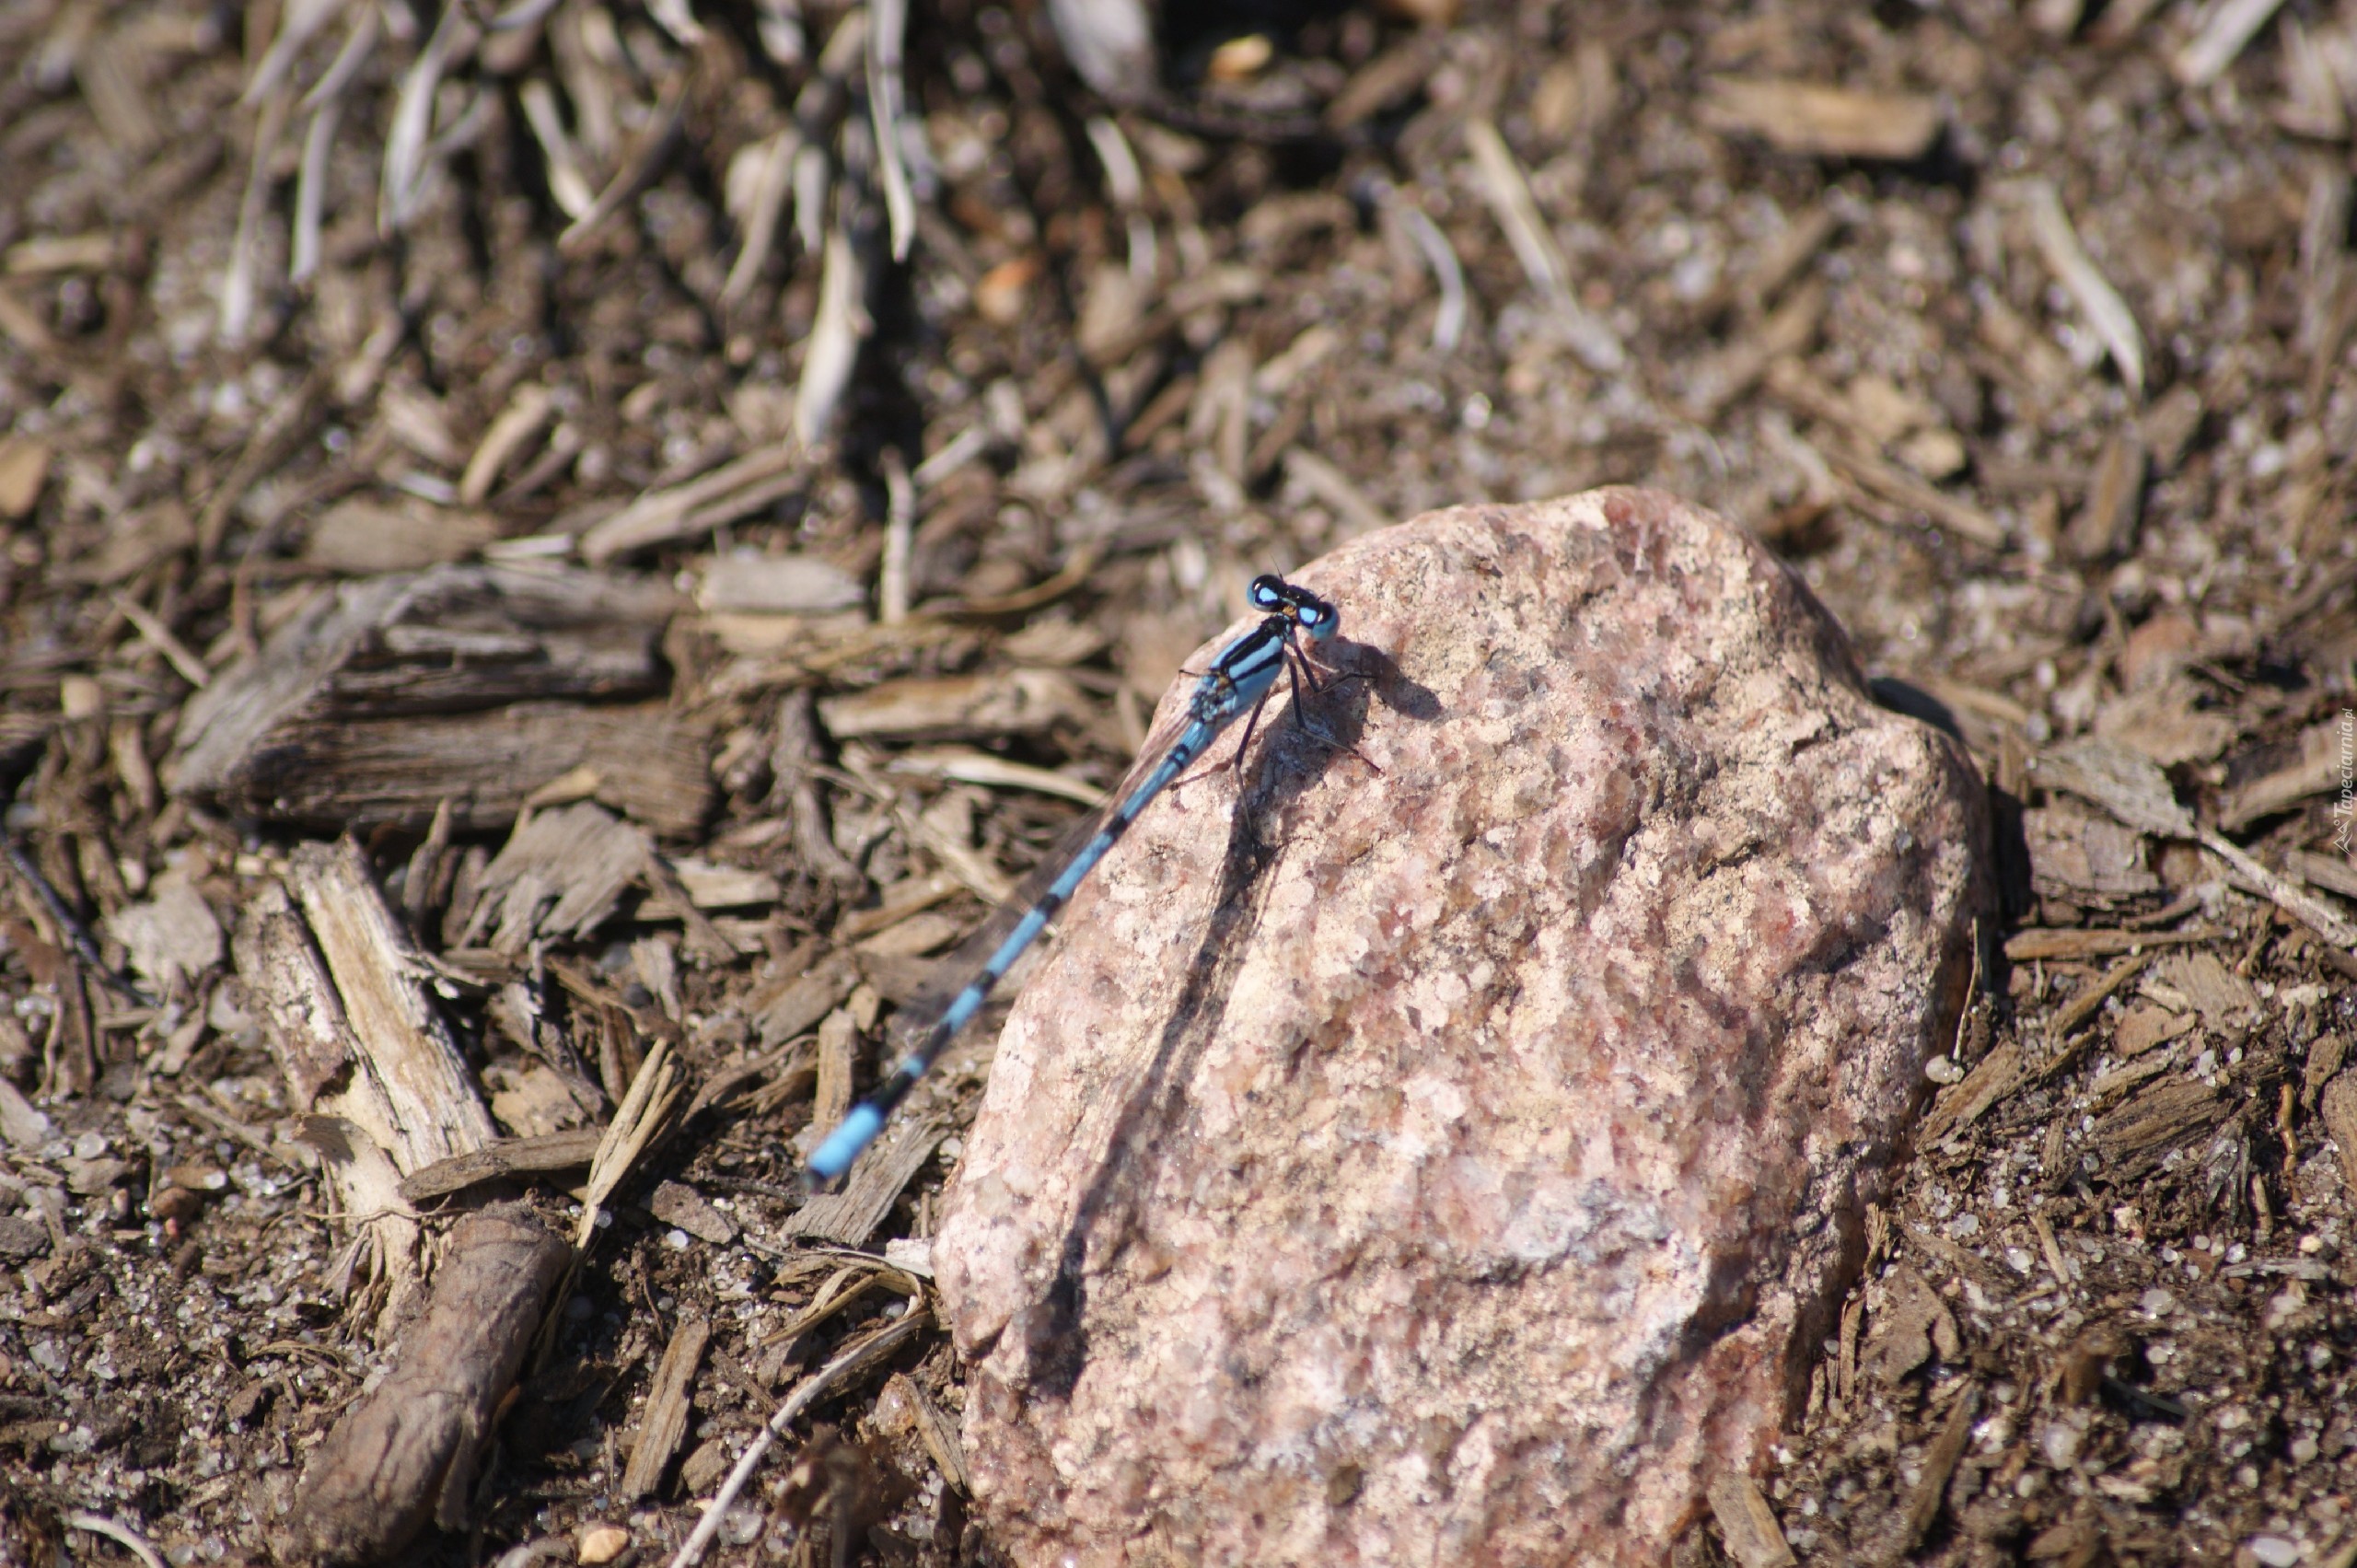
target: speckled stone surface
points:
(1445, 1165)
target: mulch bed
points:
(520, 456)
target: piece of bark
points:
(359, 536)
(171, 936)
(677, 1203)
(2333, 873)
(343, 988)
(2105, 526)
(666, 1421)
(463, 682)
(562, 873)
(413, 1061)
(1014, 701)
(1828, 121)
(2026, 946)
(850, 1217)
(1754, 1538)
(2316, 771)
(2138, 1136)
(330, 972)
(783, 1010)
(544, 1156)
(1909, 1324)
(334, 774)
(405, 1454)
(1997, 1076)
(2337, 1105)
(1939, 1464)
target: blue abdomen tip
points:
(842, 1145)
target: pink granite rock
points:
(1453, 1163)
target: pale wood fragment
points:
(544, 1156)
(562, 873)
(666, 1419)
(1820, 120)
(2057, 241)
(2024, 946)
(1931, 1487)
(1754, 1538)
(873, 1185)
(2337, 1105)
(785, 1009)
(345, 1008)
(1013, 702)
(2226, 29)
(420, 1095)
(2105, 526)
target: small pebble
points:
(2275, 1552)
(603, 1543)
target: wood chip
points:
(981, 768)
(898, 902)
(549, 1155)
(1534, 245)
(404, 1454)
(360, 537)
(1749, 1526)
(2338, 1105)
(940, 1436)
(1939, 1464)
(2024, 946)
(1898, 486)
(2135, 1137)
(2085, 1005)
(2226, 28)
(390, 696)
(1907, 1322)
(778, 585)
(171, 936)
(1819, 120)
(24, 469)
(2142, 1028)
(875, 1184)
(561, 873)
(793, 1006)
(838, 1059)
(1787, 331)
(2077, 854)
(677, 1203)
(2113, 323)
(2052, 1248)
(340, 983)
(2331, 872)
(2105, 527)
(682, 510)
(1993, 1077)
(1014, 701)
(2222, 997)
(665, 1420)
(2315, 771)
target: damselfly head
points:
(1271, 595)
